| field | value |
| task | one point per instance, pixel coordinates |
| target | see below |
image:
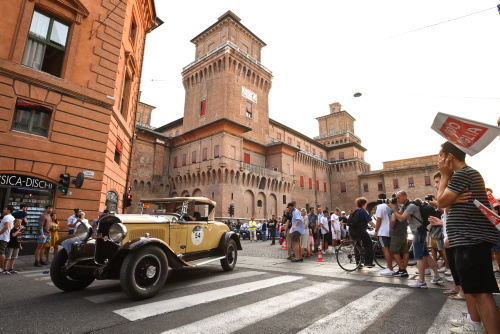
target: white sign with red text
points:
(493, 217)
(469, 136)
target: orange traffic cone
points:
(284, 246)
(320, 257)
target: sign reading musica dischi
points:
(17, 180)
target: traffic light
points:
(231, 210)
(128, 200)
(64, 183)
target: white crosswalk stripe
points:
(224, 322)
(166, 306)
(452, 309)
(172, 286)
(358, 315)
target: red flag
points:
(493, 217)
(468, 135)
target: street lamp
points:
(358, 94)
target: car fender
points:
(225, 240)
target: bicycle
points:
(350, 256)
(378, 255)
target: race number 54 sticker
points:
(197, 235)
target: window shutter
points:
(216, 151)
(175, 162)
(205, 155)
(203, 108)
(278, 136)
(324, 186)
(427, 180)
(317, 185)
(246, 158)
(343, 187)
(396, 183)
(302, 181)
(119, 146)
(310, 183)
(341, 155)
(193, 160)
(184, 158)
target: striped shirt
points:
(466, 225)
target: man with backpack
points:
(358, 223)
(411, 212)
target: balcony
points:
(349, 133)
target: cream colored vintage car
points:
(138, 249)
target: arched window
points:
(259, 203)
(112, 201)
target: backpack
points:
(354, 220)
(426, 211)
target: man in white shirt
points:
(383, 233)
(336, 233)
(326, 236)
(5, 227)
(72, 220)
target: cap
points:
(105, 211)
(342, 211)
(252, 217)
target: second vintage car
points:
(138, 249)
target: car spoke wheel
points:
(229, 261)
(63, 280)
(144, 272)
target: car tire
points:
(144, 272)
(63, 281)
(229, 261)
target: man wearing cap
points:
(252, 229)
(343, 224)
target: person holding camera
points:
(72, 220)
(411, 212)
(383, 233)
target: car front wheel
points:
(229, 261)
(63, 280)
(144, 272)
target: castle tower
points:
(226, 80)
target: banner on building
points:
(468, 135)
(493, 217)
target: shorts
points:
(338, 235)
(42, 241)
(3, 246)
(450, 256)
(296, 236)
(327, 237)
(420, 249)
(496, 248)
(384, 242)
(11, 253)
(475, 268)
(71, 231)
(399, 245)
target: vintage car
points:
(138, 249)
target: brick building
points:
(69, 81)
(227, 148)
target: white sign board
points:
(469, 136)
(89, 174)
(248, 94)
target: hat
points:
(342, 211)
(252, 217)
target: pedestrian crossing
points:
(357, 307)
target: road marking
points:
(225, 322)
(35, 275)
(102, 298)
(166, 306)
(450, 310)
(42, 278)
(358, 315)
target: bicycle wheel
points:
(346, 256)
(378, 256)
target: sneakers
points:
(387, 272)
(418, 284)
(369, 265)
(400, 273)
(447, 272)
(466, 328)
(37, 264)
(5, 272)
(442, 270)
(427, 272)
(12, 271)
(437, 280)
(458, 322)
(450, 279)
(497, 273)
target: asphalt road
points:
(264, 293)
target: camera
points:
(429, 197)
(392, 200)
(79, 216)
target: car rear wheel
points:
(144, 272)
(229, 261)
(63, 280)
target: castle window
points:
(246, 158)
(205, 154)
(302, 181)
(341, 155)
(289, 141)
(259, 203)
(203, 108)
(249, 110)
(175, 162)
(332, 131)
(343, 187)
(46, 44)
(310, 183)
(380, 186)
(193, 159)
(298, 144)
(410, 182)
(317, 185)
(321, 155)
(395, 182)
(31, 118)
(365, 187)
(324, 187)
(278, 135)
(314, 151)
(216, 151)
(133, 30)
(307, 148)
(284, 199)
(125, 95)
(427, 180)
(184, 159)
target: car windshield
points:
(194, 210)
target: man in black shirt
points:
(272, 229)
(22, 214)
(287, 220)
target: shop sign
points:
(26, 181)
(89, 174)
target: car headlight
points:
(83, 231)
(117, 232)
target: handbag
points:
(436, 232)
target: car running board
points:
(201, 262)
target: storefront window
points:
(112, 201)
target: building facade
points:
(227, 148)
(69, 83)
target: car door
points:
(198, 235)
(178, 237)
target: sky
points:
(407, 66)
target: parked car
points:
(138, 249)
